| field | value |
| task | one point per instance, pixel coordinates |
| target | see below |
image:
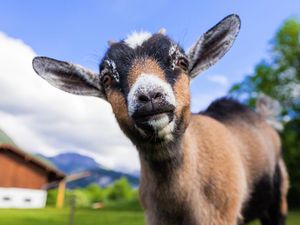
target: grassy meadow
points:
(52, 216)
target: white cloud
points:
(41, 118)
(219, 79)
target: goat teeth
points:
(159, 123)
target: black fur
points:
(273, 215)
(260, 199)
(227, 109)
(123, 56)
(265, 201)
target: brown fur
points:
(259, 146)
(284, 188)
(182, 94)
(142, 65)
(211, 190)
(120, 110)
(208, 178)
(220, 164)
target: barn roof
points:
(33, 159)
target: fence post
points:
(72, 209)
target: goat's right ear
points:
(213, 44)
(68, 77)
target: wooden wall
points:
(16, 171)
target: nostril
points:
(143, 98)
(158, 95)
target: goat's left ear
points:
(68, 77)
(213, 44)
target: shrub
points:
(81, 198)
(51, 197)
(120, 195)
(121, 189)
(95, 193)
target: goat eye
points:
(106, 80)
(183, 64)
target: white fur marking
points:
(112, 68)
(175, 54)
(137, 39)
(146, 83)
(167, 130)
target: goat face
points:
(145, 78)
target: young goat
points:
(222, 166)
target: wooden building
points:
(23, 178)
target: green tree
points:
(95, 193)
(279, 77)
(120, 190)
(81, 198)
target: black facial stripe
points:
(158, 46)
(123, 56)
(171, 75)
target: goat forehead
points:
(140, 45)
(141, 53)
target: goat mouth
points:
(152, 123)
(146, 117)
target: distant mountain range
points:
(70, 163)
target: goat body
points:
(222, 166)
(228, 170)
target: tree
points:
(120, 190)
(95, 193)
(279, 77)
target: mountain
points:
(73, 163)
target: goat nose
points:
(150, 96)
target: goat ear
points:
(213, 44)
(68, 77)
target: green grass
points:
(51, 216)
(293, 219)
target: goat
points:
(221, 166)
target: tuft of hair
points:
(162, 31)
(136, 39)
(270, 109)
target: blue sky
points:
(78, 31)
